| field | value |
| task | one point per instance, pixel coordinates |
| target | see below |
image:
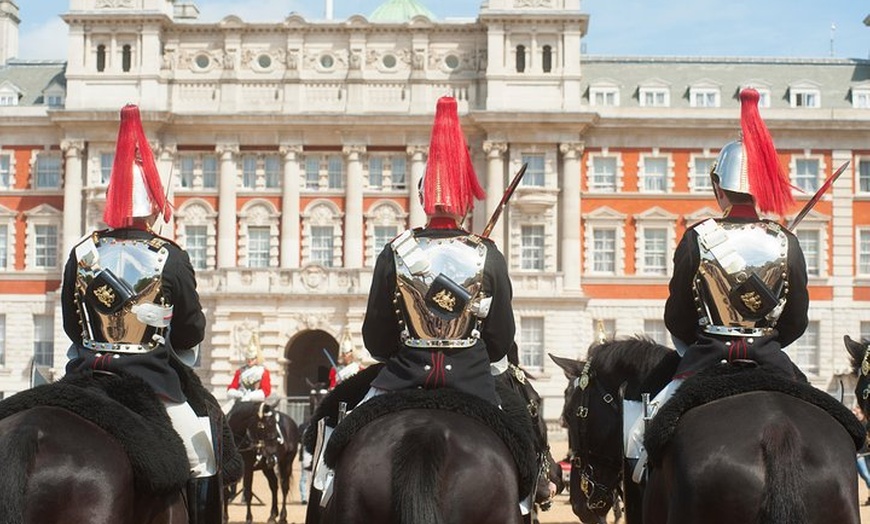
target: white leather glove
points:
(234, 393)
(254, 396)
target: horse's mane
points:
(645, 365)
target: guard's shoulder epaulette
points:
(157, 242)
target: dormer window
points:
(521, 59)
(805, 94)
(704, 97)
(861, 97)
(9, 94)
(654, 97)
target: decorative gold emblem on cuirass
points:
(865, 364)
(105, 295)
(752, 301)
(445, 299)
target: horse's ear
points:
(572, 368)
(856, 351)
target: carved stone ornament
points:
(114, 4)
(313, 277)
(533, 3)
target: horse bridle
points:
(598, 493)
(257, 443)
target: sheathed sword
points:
(811, 203)
(504, 199)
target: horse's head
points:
(593, 417)
(266, 436)
(860, 358)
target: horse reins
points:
(581, 458)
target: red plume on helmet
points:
(132, 148)
(769, 185)
(450, 184)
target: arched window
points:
(126, 57)
(547, 59)
(101, 58)
(521, 59)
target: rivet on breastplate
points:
(427, 367)
(728, 343)
(749, 340)
(448, 367)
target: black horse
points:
(860, 358)
(268, 441)
(760, 456)
(59, 467)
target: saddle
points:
(727, 380)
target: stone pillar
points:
(416, 215)
(495, 186)
(572, 153)
(354, 234)
(290, 206)
(227, 217)
(72, 193)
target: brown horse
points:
(58, 467)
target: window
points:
(376, 172)
(532, 253)
(43, 340)
(547, 59)
(4, 246)
(806, 174)
(656, 330)
(335, 172)
(603, 174)
(5, 172)
(321, 245)
(810, 245)
(312, 172)
(863, 176)
(861, 98)
(209, 171)
(604, 250)
(196, 245)
(804, 351)
(604, 96)
(399, 172)
(865, 330)
(521, 59)
(700, 180)
(126, 58)
(8, 99)
(188, 164)
(2, 340)
(47, 171)
(46, 246)
(655, 174)
(603, 327)
(799, 97)
(531, 342)
(259, 239)
(273, 170)
(704, 97)
(55, 100)
(654, 97)
(249, 171)
(655, 251)
(384, 235)
(864, 252)
(101, 58)
(535, 172)
(107, 160)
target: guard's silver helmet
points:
(730, 168)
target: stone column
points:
(227, 217)
(354, 234)
(416, 215)
(290, 206)
(572, 153)
(72, 193)
(495, 187)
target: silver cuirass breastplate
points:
(742, 280)
(114, 277)
(438, 289)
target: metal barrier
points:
(297, 407)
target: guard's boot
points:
(204, 502)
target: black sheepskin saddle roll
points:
(512, 423)
(727, 380)
(127, 409)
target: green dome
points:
(400, 11)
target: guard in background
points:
(130, 305)
(252, 382)
(739, 288)
(439, 311)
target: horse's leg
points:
(285, 469)
(273, 487)
(246, 491)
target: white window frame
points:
(601, 219)
(861, 97)
(591, 160)
(643, 176)
(7, 220)
(3, 339)
(10, 174)
(609, 96)
(814, 227)
(806, 157)
(383, 213)
(694, 176)
(322, 212)
(535, 176)
(709, 96)
(35, 174)
(524, 249)
(862, 269)
(804, 96)
(655, 218)
(43, 215)
(806, 351)
(197, 212)
(259, 213)
(656, 93)
(862, 173)
(391, 178)
(532, 334)
(656, 329)
(43, 333)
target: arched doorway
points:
(307, 362)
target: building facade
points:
(292, 152)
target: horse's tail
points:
(17, 450)
(782, 497)
(417, 462)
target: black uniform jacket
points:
(186, 329)
(465, 369)
(681, 316)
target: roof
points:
(400, 11)
(32, 77)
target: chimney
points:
(9, 21)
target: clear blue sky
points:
(784, 28)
